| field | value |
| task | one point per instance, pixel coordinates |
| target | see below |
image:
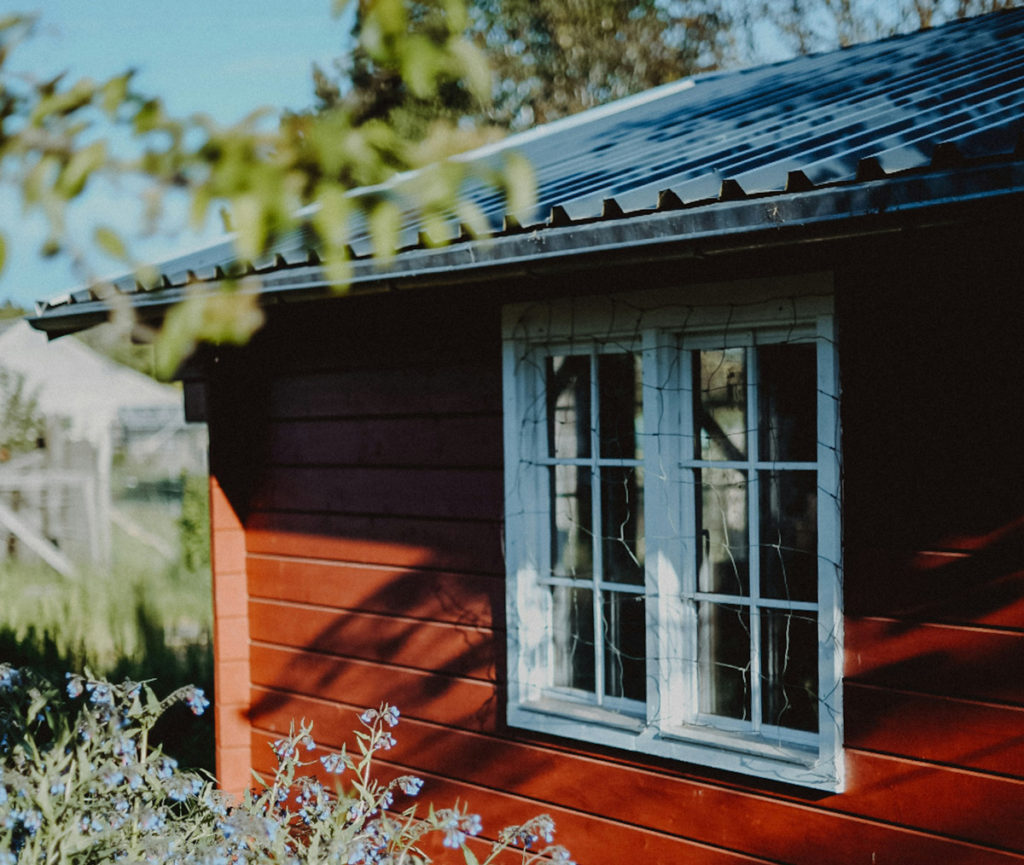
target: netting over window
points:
(675, 570)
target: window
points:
(672, 522)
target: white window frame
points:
(664, 324)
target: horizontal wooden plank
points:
(454, 650)
(422, 441)
(591, 840)
(936, 659)
(957, 732)
(779, 827)
(469, 703)
(971, 806)
(415, 390)
(403, 542)
(440, 596)
(983, 586)
(435, 493)
(443, 326)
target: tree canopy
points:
(548, 59)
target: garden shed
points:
(688, 511)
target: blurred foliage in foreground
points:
(268, 178)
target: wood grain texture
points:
(452, 650)
(398, 541)
(779, 826)
(982, 736)
(468, 494)
(949, 660)
(440, 596)
(454, 441)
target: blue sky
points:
(221, 57)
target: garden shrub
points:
(81, 782)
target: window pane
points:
(568, 391)
(620, 390)
(720, 403)
(625, 646)
(622, 530)
(789, 535)
(722, 530)
(572, 640)
(789, 669)
(571, 532)
(723, 656)
(787, 396)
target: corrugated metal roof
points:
(942, 103)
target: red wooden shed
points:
(691, 513)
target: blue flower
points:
(31, 821)
(197, 701)
(179, 789)
(334, 763)
(385, 743)
(111, 777)
(74, 686)
(9, 677)
(166, 768)
(454, 838)
(100, 693)
(391, 716)
(410, 785)
(150, 820)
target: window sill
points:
(746, 754)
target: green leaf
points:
(474, 68)
(470, 856)
(520, 187)
(250, 223)
(110, 242)
(472, 218)
(385, 223)
(456, 15)
(391, 15)
(339, 271)
(84, 162)
(420, 63)
(114, 93)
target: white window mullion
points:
(597, 551)
(669, 629)
(754, 538)
(830, 620)
(686, 500)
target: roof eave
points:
(770, 220)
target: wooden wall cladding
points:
(372, 511)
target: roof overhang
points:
(886, 205)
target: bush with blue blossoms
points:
(81, 783)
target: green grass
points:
(144, 618)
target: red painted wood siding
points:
(362, 451)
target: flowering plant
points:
(80, 783)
